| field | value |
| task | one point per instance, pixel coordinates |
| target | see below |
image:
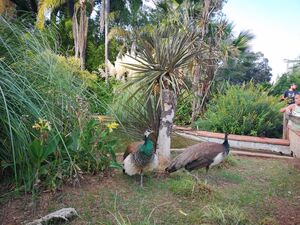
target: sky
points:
(275, 24)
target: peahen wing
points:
(131, 148)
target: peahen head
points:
(148, 132)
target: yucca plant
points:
(161, 59)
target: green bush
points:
(245, 110)
(47, 131)
(284, 82)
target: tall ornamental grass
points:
(47, 132)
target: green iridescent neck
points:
(147, 147)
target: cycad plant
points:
(161, 59)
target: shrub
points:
(46, 125)
(245, 110)
(94, 84)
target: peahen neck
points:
(147, 147)
(226, 144)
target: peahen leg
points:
(141, 178)
(194, 176)
(206, 173)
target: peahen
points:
(140, 157)
(205, 154)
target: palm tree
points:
(161, 58)
(77, 7)
(221, 46)
(215, 43)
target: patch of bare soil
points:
(296, 164)
(287, 213)
(20, 209)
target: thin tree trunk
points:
(207, 85)
(83, 27)
(80, 32)
(106, 40)
(165, 129)
(75, 32)
(197, 71)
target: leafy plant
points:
(92, 148)
(37, 83)
(245, 110)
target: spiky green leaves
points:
(160, 60)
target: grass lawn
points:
(242, 191)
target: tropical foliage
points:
(284, 82)
(47, 125)
(245, 110)
(249, 66)
(58, 113)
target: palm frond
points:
(117, 32)
(45, 5)
(242, 41)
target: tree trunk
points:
(75, 32)
(196, 76)
(83, 27)
(165, 129)
(80, 32)
(106, 40)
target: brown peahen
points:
(202, 155)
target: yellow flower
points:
(42, 125)
(36, 126)
(112, 126)
(102, 118)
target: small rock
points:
(64, 214)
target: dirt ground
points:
(19, 209)
(287, 213)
